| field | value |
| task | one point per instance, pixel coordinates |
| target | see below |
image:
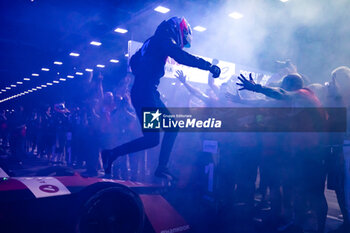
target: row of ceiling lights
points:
(234, 15)
(40, 87)
(160, 9)
(164, 10)
(73, 54)
(47, 69)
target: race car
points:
(68, 202)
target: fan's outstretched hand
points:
(246, 84)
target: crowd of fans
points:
(68, 133)
(292, 167)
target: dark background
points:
(314, 34)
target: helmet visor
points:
(186, 33)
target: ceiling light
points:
(114, 60)
(3, 90)
(74, 54)
(199, 28)
(95, 43)
(162, 9)
(19, 83)
(56, 81)
(79, 73)
(126, 55)
(57, 63)
(43, 85)
(121, 30)
(100, 66)
(62, 79)
(284, 0)
(8, 88)
(34, 89)
(38, 87)
(30, 91)
(26, 79)
(13, 85)
(236, 15)
(34, 74)
(70, 76)
(45, 69)
(49, 84)
(89, 70)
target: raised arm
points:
(194, 91)
(213, 86)
(275, 93)
(99, 87)
(187, 59)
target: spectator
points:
(46, 134)
(338, 96)
(18, 134)
(307, 170)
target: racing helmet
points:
(183, 31)
(179, 30)
(186, 33)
